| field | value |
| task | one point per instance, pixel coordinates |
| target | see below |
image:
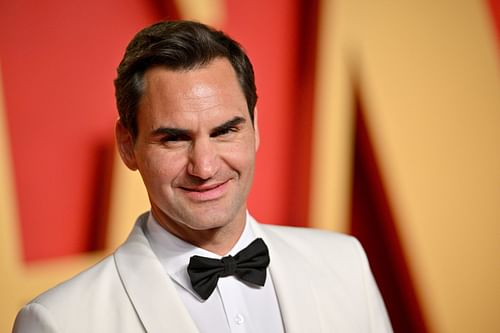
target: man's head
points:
(186, 98)
(176, 45)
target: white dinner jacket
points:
(322, 281)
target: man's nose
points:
(203, 159)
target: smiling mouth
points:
(205, 192)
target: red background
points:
(58, 65)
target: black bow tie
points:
(248, 265)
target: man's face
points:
(195, 147)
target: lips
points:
(205, 192)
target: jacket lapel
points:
(148, 286)
(160, 309)
(292, 282)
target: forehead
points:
(208, 90)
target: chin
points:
(205, 216)
(207, 222)
(205, 226)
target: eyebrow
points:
(172, 131)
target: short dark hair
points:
(176, 45)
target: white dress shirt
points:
(234, 306)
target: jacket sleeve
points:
(379, 319)
(34, 317)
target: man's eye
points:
(224, 131)
(174, 138)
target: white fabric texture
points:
(322, 281)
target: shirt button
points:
(239, 319)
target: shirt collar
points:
(174, 253)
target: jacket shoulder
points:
(80, 304)
(313, 241)
(338, 273)
(95, 279)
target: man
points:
(188, 123)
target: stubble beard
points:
(201, 223)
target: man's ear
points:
(256, 128)
(125, 144)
